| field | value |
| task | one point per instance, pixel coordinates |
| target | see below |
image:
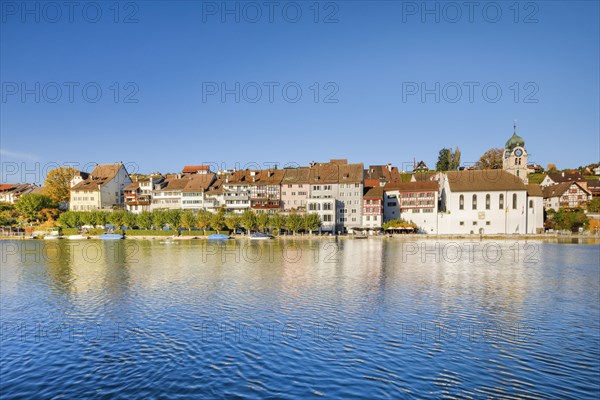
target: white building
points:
(515, 157)
(102, 189)
(193, 194)
(414, 202)
(167, 195)
(486, 202)
(565, 195)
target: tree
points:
(294, 222)
(58, 182)
(144, 220)
(49, 214)
(88, 218)
(117, 218)
(129, 220)
(262, 221)
(70, 219)
(551, 167)
(29, 205)
(159, 219)
(312, 222)
(217, 221)
(174, 219)
(203, 220)
(278, 221)
(491, 159)
(188, 220)
(232, 222)
(248, 220)
(99, 218)
(594, 205)
(456, 159)
(444, 160)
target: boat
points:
(218, 236)
(77, 237)
(110, 236)
(360, 237)
(260, 236)
(52, 237)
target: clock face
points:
(518, 152)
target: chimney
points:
(563, 174)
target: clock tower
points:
(514, 159)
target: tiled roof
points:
(199, 183)
(132, 186)
(192, 169)
(483, 180)
(175, 184)
(7, 186)
(559, 189)
(103, 173)
(216, 188)
(568, 177)
(295, 176)
(255, 177)
(534, 190)
(381, 172)
(412, 186)
(374, 193)
(336, 173)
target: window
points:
(514, 201)
(391, 204)
(531, 205)
(416, 211)
(487, 222)
(462, 223)
(326, 218)
(474, 206)
(501, 202)
(461, 202)
(474, 223)
(487, 201)
(368, 218)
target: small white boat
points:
(77, 237)
(260, 236)
(52, 237)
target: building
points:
(193, 194)
(420, 167)
(195, 169)
(412, 201)
(372, 208)
(138, 194)
(515, 157)
(594, 188)
(78, 176)
(535, 209)
(562, 177)
(340, 184)
(485, 202)
(379, 175)
(103, 189)
(265, 190)
(565, 195)
(168, 194)
(236, 190)
(10, 192)
(295, 189)
(214, 198)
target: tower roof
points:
(515, 140)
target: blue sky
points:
(369, 60)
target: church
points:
(495, 201)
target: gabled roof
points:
(216, 188)
(534, 190)
(102, 174)
(192, 169)
(377, 173)
(560, 188)
(199, 183)
(255, 177)
(295, 176)
(324, 173)
(132, 186)
(174, 184)
(373, 193)
(487, 180)
(7, 186)
(568, 177)
(412, 186)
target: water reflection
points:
(363, 318)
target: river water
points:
(299, 318)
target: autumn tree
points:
(58, 182)
(203, 220)
(551, 167)
(232, 222)
(491, 159)
(29, 205)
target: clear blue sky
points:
(371, 55)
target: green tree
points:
(444, 160)
(144, 220)
(312, 222)
(594, 205)
(88, 218)
(248, 221)
(117, 218)
(278, 221)
(69, 219)
(456, 158)
(99, 218)
(203, 220)
(129, 220)
(159, 219)
(58, 182)
(217, 220)
(174, 219)
(262, 221)
(29, 205)
(491, 159)
(233, 221)
(188, 220)
(294, 222)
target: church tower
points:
(515, 156)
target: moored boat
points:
(77, 237)
(110, 236)
(260, 236)
(218, 236)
